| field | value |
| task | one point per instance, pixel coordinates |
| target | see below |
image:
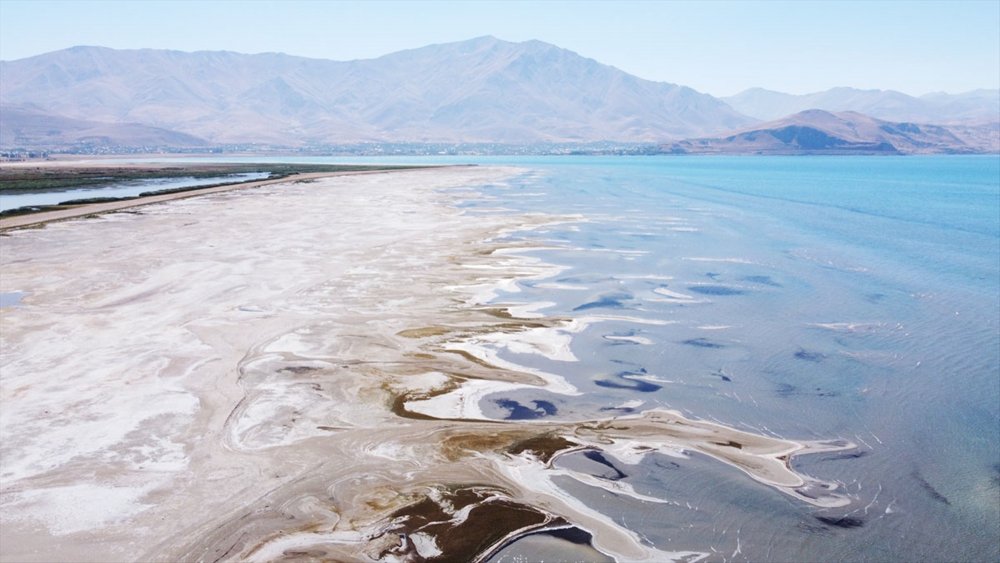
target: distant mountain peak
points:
(816, 131)
(973, 107)
(483, 89)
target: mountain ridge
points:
(975, 106)
(817, 131)
(484, 89)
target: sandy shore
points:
(292, 372)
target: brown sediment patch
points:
(490, 520)
(424, 332)
(458, 332)
(544, 446)
(461, 445)
(731, 444)
(470, 358)
(400, 399)
(499, 312)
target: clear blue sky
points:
(715, 47)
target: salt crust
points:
(207, 359)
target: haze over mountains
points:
(969, 107)
(27, 126)
(480, 90)
(821, 132)
(484, 90)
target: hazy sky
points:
(715, 47)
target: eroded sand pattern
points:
(294, 372)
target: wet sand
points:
(287, 372)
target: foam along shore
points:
(234, 377)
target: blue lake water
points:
(812, 298)
(130, 188)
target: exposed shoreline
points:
(70, 212)
(290, 372)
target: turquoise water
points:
(850, 298)
(828, 298)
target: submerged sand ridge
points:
(293, 372)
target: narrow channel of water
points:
(130, 188)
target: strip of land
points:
(19, 178)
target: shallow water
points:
(809, 298)
(10, 298)
(129, 188)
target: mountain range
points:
(821, 132)
(977, 106)
(482, 90)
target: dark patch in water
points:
(672, 465)
(521, 412)
(597, 456)
(875, 297)
(712, 275)
(715, 290)
(761, 280)
(846, 455)
(624, 410)
(572, 535)
(702, 343)
(613, 341)
(614, 301)
(786, 390)
(846, 522)
(546, 406)
(640, 386)
(934, 494)
(811, 528)
(808, 356)
(627, 381)
(722, 376)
